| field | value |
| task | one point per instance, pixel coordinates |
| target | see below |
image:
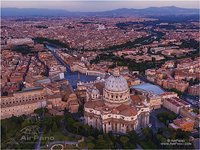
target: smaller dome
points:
(95, 91)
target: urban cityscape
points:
(80, 75)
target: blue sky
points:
(92, 5)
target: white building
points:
(112, 109)
(20, 41)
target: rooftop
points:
(149, 87)
(31, 89)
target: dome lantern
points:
(116, 72)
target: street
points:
(156, 124)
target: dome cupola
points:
(95, 93)
(116, 89)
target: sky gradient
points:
(97, 5)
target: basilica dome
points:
(116, 90)
(116, 83)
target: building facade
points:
(184, 124)
(175, 104)
(112, 109)
(22, 103)
(194, 90)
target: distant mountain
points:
(5, 12)
(151, 11)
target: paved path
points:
(62, 142)
(156, 124)
(37, 146)
(49, 145)
(139, 147)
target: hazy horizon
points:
(94, 6)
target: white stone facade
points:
(22, 103)
(114, 110)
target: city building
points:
(188, 113)
(168, 95)
(20, 41)
(175, 104)
(23, 102)
(79, 66)
(194, 90)
(112, 107)
(184, 124)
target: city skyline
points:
(94, 6)
(100, 74)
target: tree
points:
(133, 136)
(86, 129)
(182, 134)
(90, 139)
(47, 124)
(76, 125)
(40, 111)
(54, 127)
(196, 110)
(90, 145)
(82, 145)
(166, 117)
(124, 140)
(25, 123)
(57, 43)
(191, 81)
(109, 141)
(3, 132)
(101, 143)
(160, 138)
(147, 133)
(70, 122)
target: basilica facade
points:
(111, 107)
